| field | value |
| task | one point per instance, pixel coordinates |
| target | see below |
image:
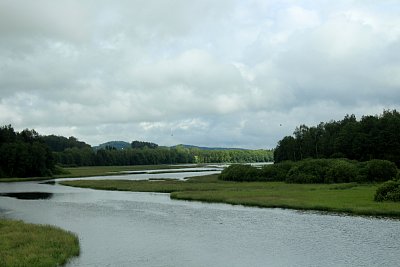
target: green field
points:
(348, 198)
(23, 244)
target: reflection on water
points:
(28, 195)
(150, 229)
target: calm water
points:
(150, 229)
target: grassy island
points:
(350, 198)
(23, 244)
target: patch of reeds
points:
(23, 244)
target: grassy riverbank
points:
(76, 172)
(115, 170)
(341, 198)
(23, 244)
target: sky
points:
(227, 73)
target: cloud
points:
(225, 73)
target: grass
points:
(340, 198)
(76, 172)
(23, 244)
(111, 170)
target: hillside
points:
(208, 148)
(119, 145)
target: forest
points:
(24, 154)
(372, 137)
(28, 154)
(144, 155)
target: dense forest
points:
(154, 154)
(27, 154)
(24, 154)
(373, 137)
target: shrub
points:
(337, 155)
(341, 171)
(315, 171)
(379, 170)
(277, 171)
(309, 171)
(389, 190)
(240, 173)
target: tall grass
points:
(30, 245)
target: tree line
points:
(373, 137)
(145, 155)
(28, 154)
(24, 154)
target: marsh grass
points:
(114, 170)
(23, 244)
(340, 198)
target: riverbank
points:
(349, 198)
(24, 244)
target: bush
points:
(379, 170)
(389, 191)
(277, 171)
(315, 171)
(308, 171)
(341, 171)
(323, 171)
(240, 173)
(337, 155)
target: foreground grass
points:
(23, 244)
(340, 198)
(76, 172)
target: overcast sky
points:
(203, 72)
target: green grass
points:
(111, 170)
(30, 245)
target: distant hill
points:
(119, 145)
(209, 148)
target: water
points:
(158, 174)
(150, 229)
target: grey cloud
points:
(215, 73)
(66, 20)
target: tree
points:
(7, 134)
(140, 144)
(373, 137)
(24, 154)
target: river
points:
(150, 229)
